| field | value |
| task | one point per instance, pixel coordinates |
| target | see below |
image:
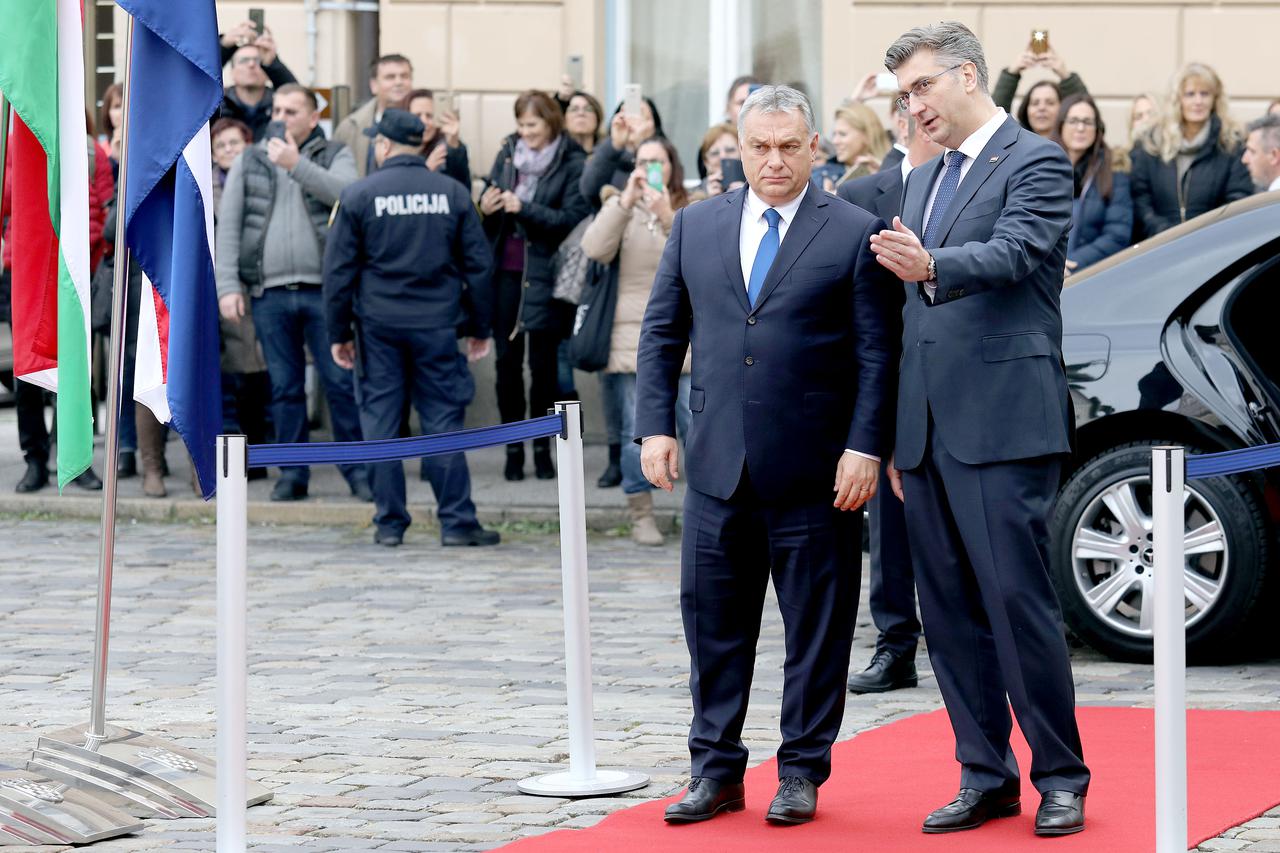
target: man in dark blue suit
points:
(794, 340)
(983, 421)
(893, 590)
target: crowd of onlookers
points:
(577, 200)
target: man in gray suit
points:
(983, 423)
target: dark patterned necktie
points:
(946, 192)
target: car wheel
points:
(1102, 568)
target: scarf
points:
(530, 166)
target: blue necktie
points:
(946, 192)
(764, 255)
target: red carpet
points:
(886, 781)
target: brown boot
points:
(644, 528)
(151, 449)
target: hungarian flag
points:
(176, 86)
(42, 77)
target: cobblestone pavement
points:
(397, 696)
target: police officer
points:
(405, 245)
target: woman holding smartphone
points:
(629, 234)
(441, 144)
(615, 157)
(1188, 162)
(530, 205)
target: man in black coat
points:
(893, 592)
(249, 99)
(793, 333)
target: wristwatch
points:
(932, 274)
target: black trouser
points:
(729, 550)
(33, 433)
(893, 589)
(980, 544)
(543, 344)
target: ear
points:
(970, 72)
(814, 147)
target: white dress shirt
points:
(971, 148)
(1275, 185)
(754, 227)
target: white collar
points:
(906, 167)
(756, 206)
(972, 147)
(1275, 185)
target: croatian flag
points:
(176, 86)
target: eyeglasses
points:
(721, 152)
(229, 144)
(248, 60)
(1081, 122)
(582, 109)
(644, 164)
(921, 88)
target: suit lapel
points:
(916, 193)
(729, 231)
(978, 173)
(889, 203)
(809, 219)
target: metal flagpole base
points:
(36, 809)
(567, 785)
(155, 777)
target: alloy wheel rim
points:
(1112, 562)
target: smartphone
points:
(1039, 41)
(632, 99)
(653, 174)
(275, 130)
(447, 103)
(752, 87)
(887, 81)
(573, 70)
(731, 172)
(255, 15)
(507, 176)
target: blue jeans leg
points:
(633, 480)
(611, 399)
(339, 384)
(281, 333)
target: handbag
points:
(100, 287)
(571, 265)
(592, 335)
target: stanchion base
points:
(37, 809)
(568, 785)
(157, 777)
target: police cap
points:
(398, 126)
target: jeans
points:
(424, 365)
(285, 320)
(622, 388)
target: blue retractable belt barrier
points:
(392, 449)
(1232, 461)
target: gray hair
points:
(1269, 126)
(951, 42)
(778, 99)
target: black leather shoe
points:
(705, 798)
(127, 464)
(612, 475)
(387, 538)
(1060, 813)
(287, 489)
(886, 672)
(795, 802)
(36, 478)
(475, 537)
(972, 808)
(542, 467)
(513, 471)
(89, 481)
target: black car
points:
(1175, 340)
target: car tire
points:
(1093, 551)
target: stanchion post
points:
(233, 557)
(1168, 475)
(583, 778)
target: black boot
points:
(35, 478)
(127, 464)
(612, 475)
(542, 467)
(514, 469)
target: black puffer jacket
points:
(1216, 177)
(556, 208)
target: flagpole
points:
(4, 151)
(115, 367)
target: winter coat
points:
(1216, 177)
(543, 223)
(1100, 228)
(606, 167)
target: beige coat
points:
(636, 238)
(351, 133)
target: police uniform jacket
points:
(405, 244)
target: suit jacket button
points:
(750, 361)
(955, 293)
(751, 321)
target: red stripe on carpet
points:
(886, 780)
